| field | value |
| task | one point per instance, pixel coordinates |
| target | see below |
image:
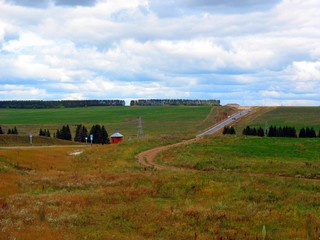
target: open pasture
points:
(297, 117)
(227, 188)
(158, 120)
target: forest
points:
(60, 104)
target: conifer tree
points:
(312, 133)
(47, 133)
(232, 131)
(104, 135)
(260, 132)
(1, 132)
(302, 133)
(225, 130)
(81, 133)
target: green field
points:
(226, 187)
(156, 120)
(298, 117)
(257, 181)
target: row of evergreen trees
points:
(100, 134)
(44, 133)
(281, 132)
(64, 133)
(308, 133)
(10, 130)
(253, 131)
(229, 130)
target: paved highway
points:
(226, 122)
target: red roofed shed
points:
(116, 138)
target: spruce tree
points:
(312, 133)
(232, 131)
(96, 132)
(246, 131)
(225, 130)
(9, 131)
(1, 132)
(260, 132)
(308, 132)
(58, 134)
(81, 133)
(302, 133)
(104, 135)
(68, 135)
(47, 133)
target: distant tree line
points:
(229, 130)
(60, 104)
(174, 102)
(285, 131)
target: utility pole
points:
(140, 128)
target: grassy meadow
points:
(156, 120)
(227, 187)
(297, 117)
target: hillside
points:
(297, 117)
(24, 140)
(156, 120)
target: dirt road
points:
(147, 158)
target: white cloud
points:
(21, 92)
(248, 54)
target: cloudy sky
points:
(252, 52)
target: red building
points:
(116, 138)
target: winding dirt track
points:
(146, 158)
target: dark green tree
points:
(1, 132)
(312, 133)
(100, 134)
(105, 136)
(47, 133)
(64, 133)
(225, 130)
(81, 133)
(260, 132)
(96, 132)
(232, 131)
(302, 133)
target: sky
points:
(250, 52)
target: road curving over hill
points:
(147, 158)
